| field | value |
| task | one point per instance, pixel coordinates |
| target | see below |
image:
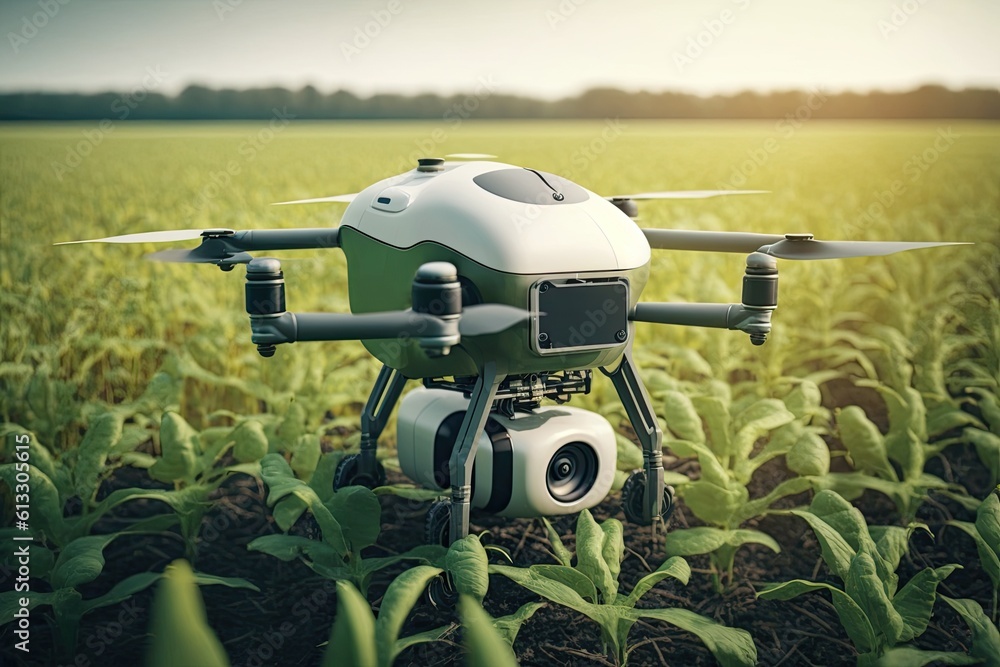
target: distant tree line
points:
(201, 103)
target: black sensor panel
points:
(582, 315)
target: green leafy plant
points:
(55, 480)
(484, 644)
(876, 614)
(78, 563)
(359, 639)
(986, 533)
(726, 453)
(591, 587)
(907, 445)
(987, 442)
(350, 521)
(189, 461)
(180, 634)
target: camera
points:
(547, 461)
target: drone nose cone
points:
(430, 164)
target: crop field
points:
(836, 486)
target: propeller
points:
(686, 194)
(335, 199)
(490, 318)
(200, 255)
(787, 246)
(806, 248)
(155, 237)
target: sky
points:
(542, 48)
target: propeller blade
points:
(688, 194)
(148, 237)
(490, 318)
(199, 255)
(684, 239)
(180, 255)
(810, 249)
(469, 156)
(338, 199)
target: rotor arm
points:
(752, 316)
(732, 316)
(287, 327)
(225, 248)
(284, 239)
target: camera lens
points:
(572, 472)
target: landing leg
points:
(464, 451)
(364, 468)
(640, 413)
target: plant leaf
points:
(675, 567)
(399, 598)
(180, 632)
(716, 414)
(915, 600)
(864, 443)
(484, 645)
(562, 554)
(712, 503)
(81, 561)
(866, 588)
(985, 635)
(468, 566)
(105, 430)
(251, 443)
(180, 449)
(682, 418)
(613, 549)
(809, 455)
(282, 483)
(911, 656)
(590, 556)
(359, 514)
(508, 626)
(629, 456)
(352, 639)
(571, 577)
(732, 647)
(756, 421)
(852, 617)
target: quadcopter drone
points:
(499, 286)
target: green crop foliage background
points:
(85, 324)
